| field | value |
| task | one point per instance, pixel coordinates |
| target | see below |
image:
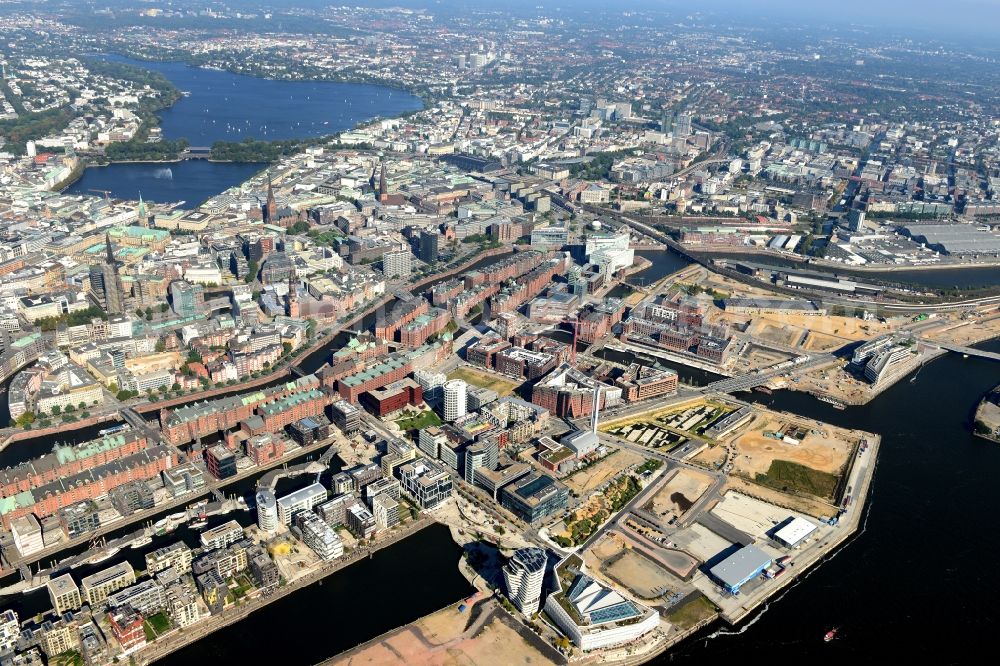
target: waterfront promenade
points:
(183, 637)
(147, 514)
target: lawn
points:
(788, 476)
(420, 421)
(156, 625)
(502, 386)
(691, 611)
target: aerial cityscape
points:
(458, 333)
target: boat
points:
(830, 401)
(112, 430)
(141, 541)
(830, 635)
(763, 389)
(102, 555)
(198, 524)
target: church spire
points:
(271, 208)
(110, 250)
(383, 189)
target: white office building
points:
(301, 500)
(523, 575)
(396, 263)
(455, 397)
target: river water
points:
(916, 585)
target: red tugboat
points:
(830, 635)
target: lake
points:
(190, 181)
(221, 106)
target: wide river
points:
(221, 106)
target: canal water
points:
(914, 584)
(939, 278)
(38, 601)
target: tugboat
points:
(830, 635)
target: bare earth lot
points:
(757, 451)
(678, 494)
(588, 479)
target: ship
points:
(830, 401)
(101, 555)
(141, 541)
(112, 430)
(830, 635)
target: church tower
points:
(383, 188)
(271, 207)
(293, 297)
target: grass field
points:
(691, 611)
(791, 477)
(503, 387)
(420, 421)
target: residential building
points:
(64, 594)
(177, 555)
(386, 511)
(267, 510)
(523, 576)
(455, 393)
(425, 482)
(319, 536)
(96, 587)
(221, 536)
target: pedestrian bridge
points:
(968, 351)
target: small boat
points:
(112, 430)
(830, 635)
(198, 524)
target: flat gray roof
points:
(741, 566)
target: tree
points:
(287, 346)
(82, 405)
(161, 345)
(194, 356)
(252, 269)
(55, 410)
(164, 307)
(982, 428)
(175, 387)
(70, 409)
